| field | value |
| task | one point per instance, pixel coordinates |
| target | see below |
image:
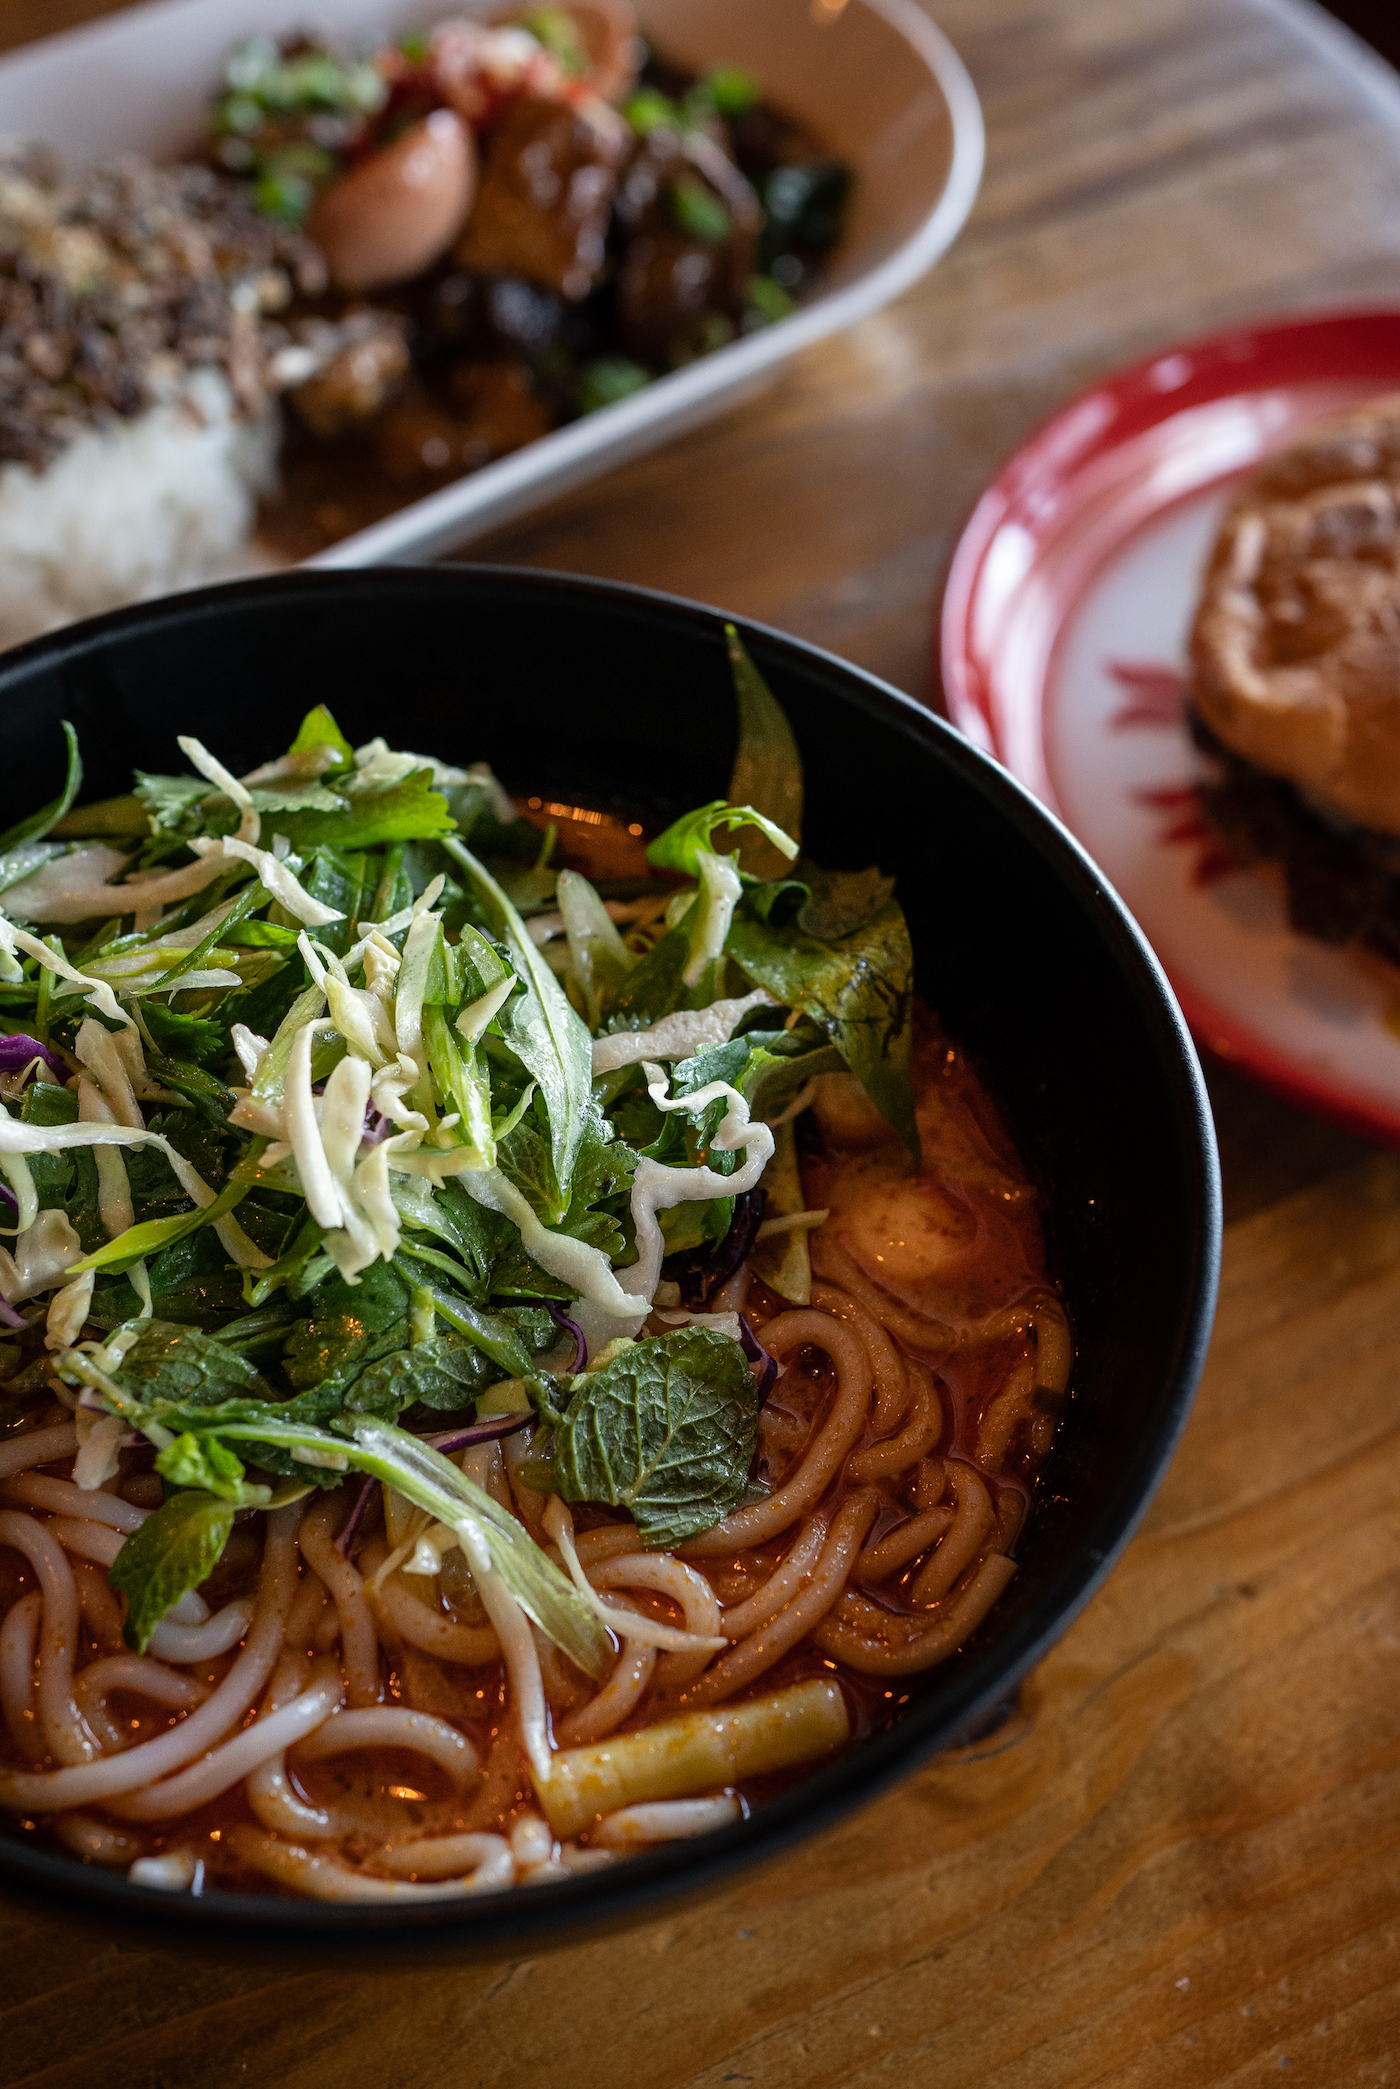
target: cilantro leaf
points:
(409, 810)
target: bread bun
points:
(1297, 640)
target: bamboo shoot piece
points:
(699, 1752)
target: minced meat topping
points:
(116, 283)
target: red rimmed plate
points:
(1065, 622)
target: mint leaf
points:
(666, 1430)
(174, 1550)
(338, 1333)
(184, 1367)
(445, 1372)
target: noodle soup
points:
(506, 1366)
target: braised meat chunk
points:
(694, 223)
(545, 197)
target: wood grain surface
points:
(1179, 1862)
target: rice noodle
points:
(40, 1447)
(518, 1651)
(65, 1734)
(470, 1646)
(95, 1541)
(666, 1820)
(172, 1871)
(972, 1525)
(96, 1840)
(804, 1328)
(18, 1637)
(780, 1587)
(359, 1644)
(606, 1542)
(576, 1862)
(393, 1726)
(1011, 1506)
(1011, 1406)
(269, 1789)
(55, 1790)
(886, 1364)
(756, 1654)
(41, 1491)
(100, 1606)
(533, 1848)
(618, 1697)
(174, 1642)
(308, 1611)
(689, 1590)
(143, 1678)
(559, 1524)
(902, 1544)
(858, 1634)
(916, 1330)
(933, 1334)
(486, 1859)
(885, 1461)
(230, 1764)
(321, 1879)
(1054, 1357)
(564, 1685)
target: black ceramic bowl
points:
(608, 695)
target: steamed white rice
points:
(139, 508)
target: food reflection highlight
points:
(510, 1363)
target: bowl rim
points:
(621, 1893)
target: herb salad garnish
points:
(334, 1113)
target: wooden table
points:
(1180, 1862)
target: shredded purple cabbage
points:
(10, 1198)
(18, 1051)
(345, 1542)
(701, 1272)
(480, 1432)
(765, 1365)
(9, 1317)
(377, 1127)
(561, 1319)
